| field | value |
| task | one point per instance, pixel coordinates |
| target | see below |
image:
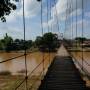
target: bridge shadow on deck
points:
(62, 75)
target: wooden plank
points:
(63, 75)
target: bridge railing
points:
(81, 64)
(81, 68)
(34, 79)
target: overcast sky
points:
(14, 25)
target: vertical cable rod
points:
(76, 26)
(48, 26)
(47, 17)
(24, 27)
(57, 16)
(51, 14)
(82, 34)
(49, 9)
(66, 18)
(42, 35)
(72, 19)
(67, 14)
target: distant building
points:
(86, 43)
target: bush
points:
(5, 73)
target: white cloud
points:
(32, 8)
(11, 31)
(61, 7)
(86, 31)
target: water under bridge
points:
(64, 72)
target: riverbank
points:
(13, 72)
(28, 51)
(78, 49)
(11, 82)
(20, 51)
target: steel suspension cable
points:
(42, 33)
(57, 16)
(47, 17)
(48, 9)
(72, 19)
(11, 58)
(76, 26)
(67, 14)
(66, 18)
(25, 49)
(24, 27)
(51, 14)
(82, 34)
(31, 86)
(16, 88)
(29, 75)
(25, 54)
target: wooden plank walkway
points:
(62, 75)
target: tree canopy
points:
(9, 44)
(6, 6)
(48, 41)
(80, 39)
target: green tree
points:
(1, 45)
(28, 44)
(38, 41)
(48, 41)
(80, 39)
(8, 42)
(6, 6)
(17, 41)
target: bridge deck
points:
(63, 75)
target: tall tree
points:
(48, 41)
(6, 6)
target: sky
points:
(14, 24)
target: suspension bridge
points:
(64, 71)
(63, 74)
